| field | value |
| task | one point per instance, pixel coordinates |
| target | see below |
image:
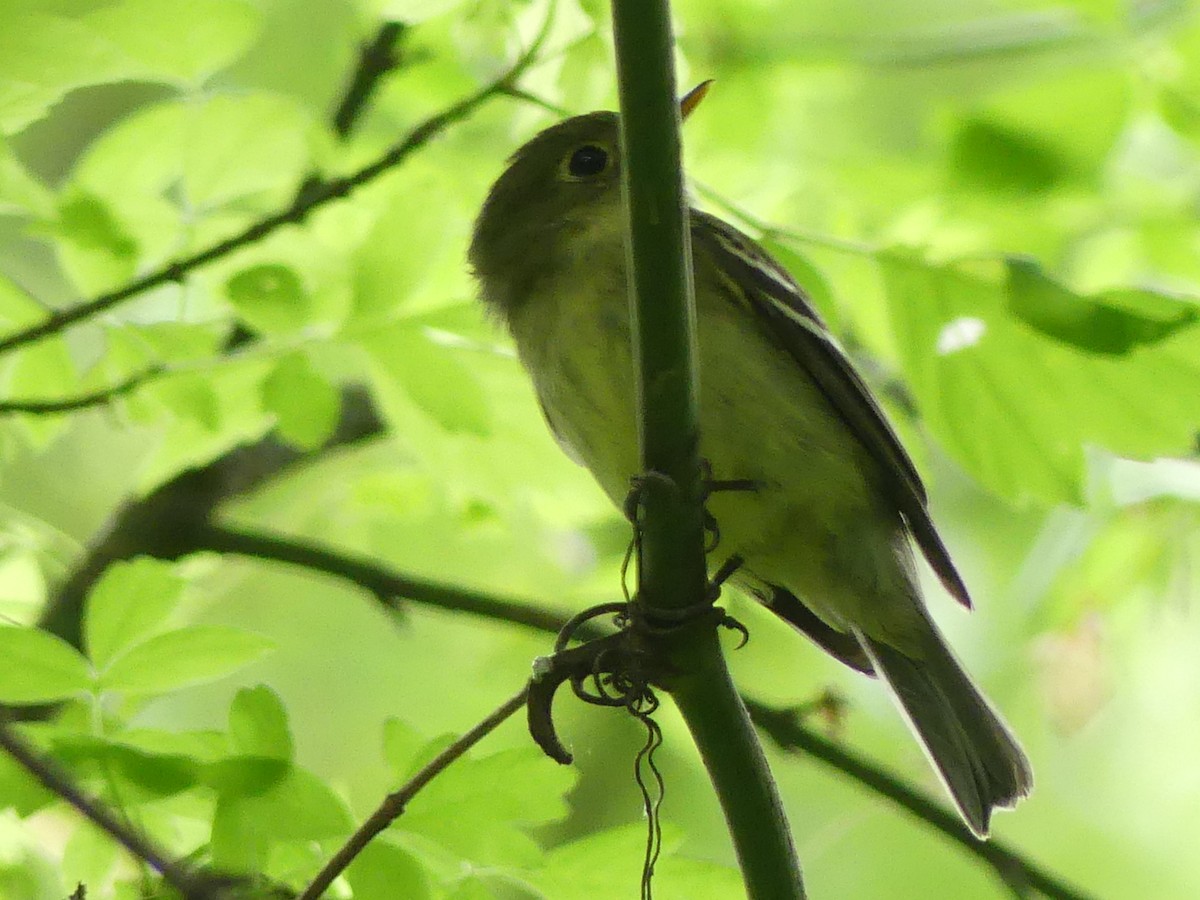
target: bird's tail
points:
(979, 760)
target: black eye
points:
(587, 161)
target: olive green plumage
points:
(827, 537)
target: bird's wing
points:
(787, 314)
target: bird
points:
(825, 539)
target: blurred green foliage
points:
(993, 202)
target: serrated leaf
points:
(305, 404)
(129, 601)
(1015, 406)
(299, 807)
(36, 667)
(182, 658)
(506, 792)
(270, 298)
(258, 724)
(432, 375)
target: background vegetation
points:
(993, 202)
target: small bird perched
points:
(825, 534)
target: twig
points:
(1020, 874)
(312, 196)
(51, 775)
(394, 804)
(377, 58)
(385, 584)
(83, 401)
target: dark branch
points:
(388, 586)
(787, 729)
(190, 884)
(312, 196)
(82, 401)
(378, 57)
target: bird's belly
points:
(761, 418)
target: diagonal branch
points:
(1020, 874)
(389, 587)
(192, 885)
(394, 804)
(83, 401)
(312, 196)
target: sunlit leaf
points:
(181, 658)
(304, 403)
(384, 871)
(37, 667)
(258, 724)
(1015, 406)
(1112, 324)
(269, 298)
(432, 375)
(129, 601)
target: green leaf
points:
(217, 32)
(270, 298)
(181, 658)
(1015, 406)
(44, 56)
(19, 790)
(432, 375)
(190, 396)
(996, 157)
(305, 404)
(384, 871)
(130, 601)
(36, 667)
(1113, 323)
(299, 807)
(244, 776)
(97, 246)
(240, 145)
(258, 724)
(89, 856)
(20, 191)
(158, 774)
(506, 792)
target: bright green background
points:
(993, 202)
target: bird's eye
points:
(587, 161)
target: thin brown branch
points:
(82, 401)
(393, 805)
(190, 884)
(1020, 874)
(388, 586)
(313, 196)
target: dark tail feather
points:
(979, 760)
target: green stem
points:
(672, 576)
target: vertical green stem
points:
(672, 575)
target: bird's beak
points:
(693, 97)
